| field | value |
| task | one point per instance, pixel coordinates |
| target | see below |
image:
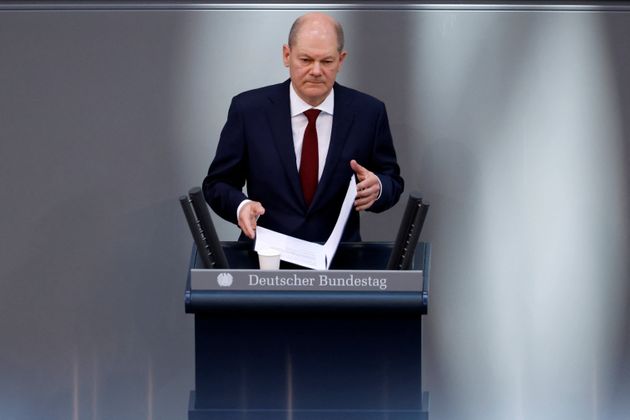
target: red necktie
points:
(309, 161)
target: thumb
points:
(258, 209)
(360, 170)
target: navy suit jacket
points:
(256, 148)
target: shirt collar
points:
(298, 105)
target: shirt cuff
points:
(240, 206)
(380, 188)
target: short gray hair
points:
(297, 25)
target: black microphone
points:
(196, 232)
(213, 245)
(408, 233)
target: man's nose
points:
(316, 70)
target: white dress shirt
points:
(323, 125)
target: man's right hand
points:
(247, 217)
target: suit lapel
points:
(342, 121)
(279, 115)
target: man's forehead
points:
(316, 31)
(314, 43)
(313, 51)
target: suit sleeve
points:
(384, 164)
(223, 186)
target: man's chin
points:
(316, 89)
(314, 92)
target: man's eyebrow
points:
(328, 57)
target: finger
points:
(258, 209)
(368, 183)
(364, 200)
(371, 187)
(358, 169)
(247, 219)
(364, 206)
(247, 230)
(365, 192)
(253, 219)
(250, 226)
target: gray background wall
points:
(513, 122)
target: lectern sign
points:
(307, 280)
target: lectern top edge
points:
(373, 281)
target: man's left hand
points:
(368, 188)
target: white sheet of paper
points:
(305, 253)
(330, 247)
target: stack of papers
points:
(305, 253)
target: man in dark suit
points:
(296, 145)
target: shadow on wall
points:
(465, 91)
(617, 405)
(94, 247)
(495, 117)
(378, 65)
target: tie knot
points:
(312, 114)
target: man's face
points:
(313, 62)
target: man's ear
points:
(286, 52)
(342, 57)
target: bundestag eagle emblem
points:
(224, 279)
